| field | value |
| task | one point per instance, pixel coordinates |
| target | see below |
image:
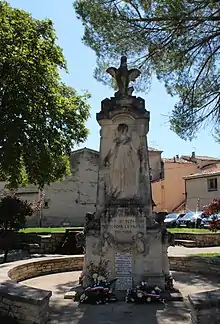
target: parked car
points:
(171, 219)
(191, 219)
(206, 221)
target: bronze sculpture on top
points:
(123, 77)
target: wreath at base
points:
(100, 289)
(144, 294)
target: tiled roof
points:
(202, 158)
(205, 173)
(176, 160)
(85, 149)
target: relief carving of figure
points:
(122, 164)
(139, 242)
(106, 242)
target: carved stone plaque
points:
(123, 228)
(123, 270)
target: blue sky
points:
(81, 62)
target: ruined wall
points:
(69, 200)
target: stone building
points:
(67, 201)
(202, 187)
(169, 193)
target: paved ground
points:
(67, 312)
(181, 250)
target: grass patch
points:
(191, 230)
(47, 229)
(208, 255)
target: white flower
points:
(101, 278)
(94, 275)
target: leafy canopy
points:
(41, 118)
(178, 40)
(13, 212)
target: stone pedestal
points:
(124, 230)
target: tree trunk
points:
(5, 256)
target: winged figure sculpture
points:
(123, 77)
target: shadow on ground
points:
(189, 283)
(64, 311)
(119, 312)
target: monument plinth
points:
(123, 229)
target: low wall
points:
(52, 241)
(205, 307)
(26, 304)
(196, 264)
(44, 267)
(49, 243)
(201, 240)
(31, 305)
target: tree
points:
(178, 40)
(213, 208)
(41, 118)
(13, 213)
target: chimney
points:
(193, 156)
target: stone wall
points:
(195, 264)
(44, 267)
(26, 304)
(31, 305)
(49, 243)
(201, 240)
(205, 307)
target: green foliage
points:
(13, 212)
(178, 40)
(41, 118)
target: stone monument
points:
(123, 230)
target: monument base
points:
(141, 259)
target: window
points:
(46, 204)
(212, 184)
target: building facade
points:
(173, 180)
(67, 202)
(170, 193)
(202, 188)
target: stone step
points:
(186, 243)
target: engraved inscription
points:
(123, 270)
(126, 225)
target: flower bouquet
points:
(99, 289)
(143, 294)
